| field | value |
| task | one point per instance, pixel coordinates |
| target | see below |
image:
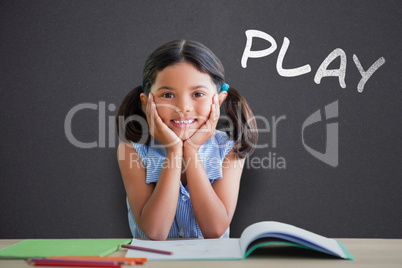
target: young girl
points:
(182, 180)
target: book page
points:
(189, 249)
(290, 233)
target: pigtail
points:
(245, 131)
(131, 121)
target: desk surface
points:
(367, 252)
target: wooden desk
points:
(367, 252)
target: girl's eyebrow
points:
(170, 88)
(164, 87)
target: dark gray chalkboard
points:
(57, 56)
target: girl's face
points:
(183, 97)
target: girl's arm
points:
(213, 205)
(153, 206)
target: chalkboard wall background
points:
(56, 55)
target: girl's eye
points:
(199, 94)
(167, 95)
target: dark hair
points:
(237, 109)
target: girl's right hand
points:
(159, 130)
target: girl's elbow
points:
(158, 236)
(154, 232)
(215, 232)
(212, 236)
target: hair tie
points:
(224, 87)
(142, 85)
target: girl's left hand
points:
(207, 130)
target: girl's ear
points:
(144, 100)
(222, 96)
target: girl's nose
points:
(186, 106)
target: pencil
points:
(67, 264)
(71, 263)
(127, 261)
(148, 249)
(107, 258)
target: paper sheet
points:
(188, 249)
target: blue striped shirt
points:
(211, 153)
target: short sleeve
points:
(213, 152)
(228, 147)
(225, 144)
(142, 151)
(153, 156)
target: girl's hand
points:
(159, 130)
(207, 130)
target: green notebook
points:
(36, 248)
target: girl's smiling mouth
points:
(184, 122)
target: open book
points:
(254, 236)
